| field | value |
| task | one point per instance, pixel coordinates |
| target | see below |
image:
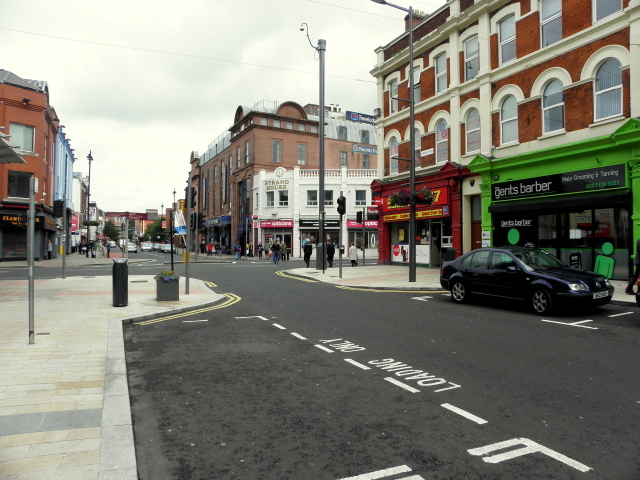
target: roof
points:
(12, 79)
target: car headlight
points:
(607, 282)
(578, 287)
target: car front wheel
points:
(541, 301)
(458, 292)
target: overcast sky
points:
(143, 83)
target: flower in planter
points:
(404, 197)
(167, 276)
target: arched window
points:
(442, 142)
(417, 148)
(553, 107)
(509, 120)
(608, 89)
(393, 155)
(472, 128)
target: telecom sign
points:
(360, 117)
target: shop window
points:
(553, 107)
(442, 142)
(604, 8)
(509, 120)
(22, 136)
(19, 184)
(361, 197)
(276, 152)
(608, 90)
(328, 198)
(472, 129)
(551, 21)
(270, 199)
(441, 72)
(471, 58)
(283, 198)
(312, 197)
(507, 38)
(302, 154)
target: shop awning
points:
(7, 153)
(563, 203)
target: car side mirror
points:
(511, 268)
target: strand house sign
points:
(603, 178)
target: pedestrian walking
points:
(260, 250)
(238, 249)
(307, 250)
(209, 249)
(275, 252)
(636, 271)
(331, 251)
(283, 251)
(49, 249)
(108, 246)
(353, 255)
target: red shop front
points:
(438, 225)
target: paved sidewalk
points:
(64, 400)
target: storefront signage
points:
(276, 184)
(367, 224)
(602, 178)
(398, 217)
(440, 197)
(364, 149)
(360, 117)
(316, 223)
(276, 224)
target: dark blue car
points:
(523, 273)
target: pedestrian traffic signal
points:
(193, 220)
(194, 196)
(58, 208)
(342, 205)
(359, 216)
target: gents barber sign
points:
(594, 179)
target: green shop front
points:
(579, 201)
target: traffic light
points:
(200, 220)
(58, 208)
(194, 196)
(342, 205)
(359, 216)
(193, 219)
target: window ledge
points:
(604, 121)
(508, 144)
(555, 133)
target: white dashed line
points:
(279, 326)
(620, 314)
(298, 336)
(465, 414)
(194, 321)
(387, 472)
(322, 347)
(573, 324)
(402, 385)
(357, 364)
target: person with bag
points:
(331, 251)
(238, 250)
(275, 252)
(307, 250)
(353, 255)
(260, 250)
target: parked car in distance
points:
(523, 273)
(146, 247)
(157, 246)
(166, 248)
(132, 247)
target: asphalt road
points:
(290, 379)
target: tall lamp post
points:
(173, 212)
(90, 159)
(412, 146)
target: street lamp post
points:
(173, 209)
(90, 159)
(412, 145)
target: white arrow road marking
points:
(422, 299)
(529, 447)
(574, 324)
(464, 413)
(387, 472)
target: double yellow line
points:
(231, 299)
(284, 274)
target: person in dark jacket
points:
(331, 251)
(307, 250)
(636, 271)
(275, 252)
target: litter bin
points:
(120, 282)
(447, 254)
(341, 249)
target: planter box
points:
(167, 291)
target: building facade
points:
(231, 178)
(531, 108)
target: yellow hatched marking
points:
(231, 299)
(210, 284)
(284, 274)
(390, 291)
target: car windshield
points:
(539, 260)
